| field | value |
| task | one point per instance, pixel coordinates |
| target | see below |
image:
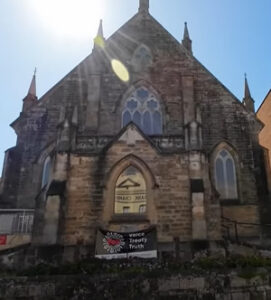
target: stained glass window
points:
(144, 110)
(130, 192)
(126, 118)
(132, 104)
(225, 175)
(137, 118)
(147, 122)
(142, 94)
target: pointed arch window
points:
(144, 110)
(130, 192)
(142, 58)
(225, 175)
(46, 172)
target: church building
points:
(139, 136)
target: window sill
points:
(130, 218)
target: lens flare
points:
(68, 18)
(99, 41)
(120, 70)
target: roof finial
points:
(144, 6)
(248, 100)
(31, 98)
(186, 33)
(100, 29)
(247, 91)
(187, 43)
(32, 88)
(99, 39)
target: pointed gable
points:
(130, 136)
(148, 52)
(143, 29)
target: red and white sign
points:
(3, 239)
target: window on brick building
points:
(46, 172)
(144, 110)
(225, 175)
(130, 192)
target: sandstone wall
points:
(212, 287)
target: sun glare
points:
(69, 18)
(120, 70)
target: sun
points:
(69, 18)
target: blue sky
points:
(230, 37)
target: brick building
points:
(264, 114)
(139, 134)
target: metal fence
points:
(16, 221)
(238, 231)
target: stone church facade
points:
(139, 134)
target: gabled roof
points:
(139, 135)
(130, 23)
(143, 22)
(172, 41)
(266, 97)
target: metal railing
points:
(16, 221)
(237, 231)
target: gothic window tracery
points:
(130, 192)
(225, 175)
(144, 110)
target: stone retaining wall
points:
(212, 287)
